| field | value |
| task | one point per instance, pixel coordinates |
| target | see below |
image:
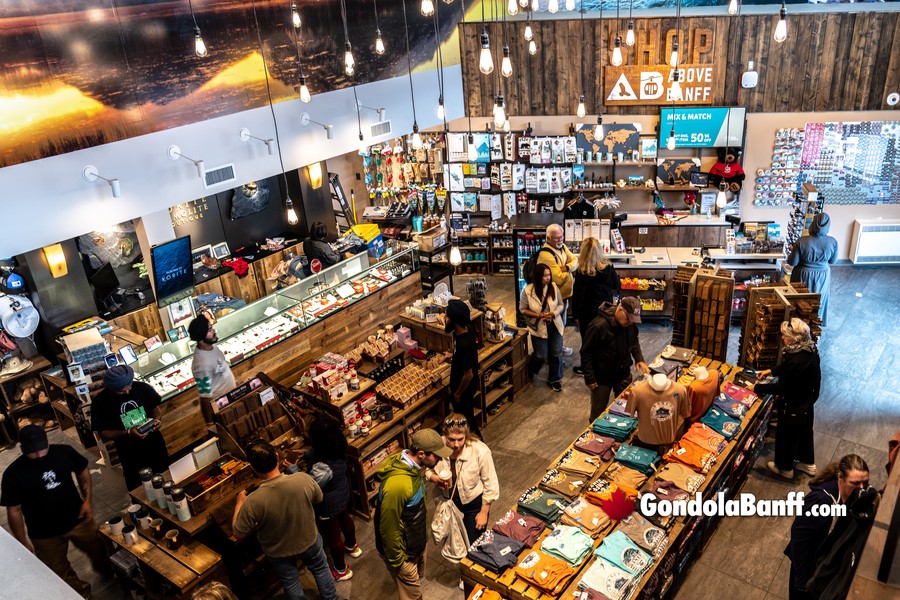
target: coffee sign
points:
(649, 80)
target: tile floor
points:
(859, 410)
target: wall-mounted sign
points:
(714, 127)
(188, 212)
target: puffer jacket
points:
(608, 348)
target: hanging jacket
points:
(590, 291)
(400, 529)
(608, 348)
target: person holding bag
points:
(542, 303)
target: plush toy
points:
(727, 169)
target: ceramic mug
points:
(156, 529)
(133, 510)
(144, 519)
(130, 535)
(115, 525)
(172, 539)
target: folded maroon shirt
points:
(520, 527)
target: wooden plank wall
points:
(830, 62)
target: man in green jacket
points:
(400, 528)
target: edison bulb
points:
(379, 43)
(598, 128)
(532, 48)
(455, 254)
(506, 125)
(781, 27)
(499, 115)
(305, 96)
(580, 110)
(349, 63)
(535, 6)
(732, 7)
(673, 59)
(441, 112)
(721, 199)
(675, 91)
(553, 6)
(523, 3)
(570, 4)
(506, 68)
(427, 8)
(199, 45)
(616, 59)
(295, 16)
(529, 34)
(471, 150)
(513, 7)
(629, 36)
(485, 61)
(416, 140)
(670, 143)
(291, 213)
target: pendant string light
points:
(305, 96)
(529, 36)
(288, 203)
(616, 59)
(675, 90)
(200, 48)
(629, 36)
(416, 138)
(671, 144)
(733, 7)
(598, 130)
(500, 103)
(673, 59)
(485, 60)
(580, 111)
(379, 42)
(441, 109)
(512, 7)
(349, 62)
(427, 8)
(295, 16)
(781, 27)
(506, 68)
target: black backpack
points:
(531, 263)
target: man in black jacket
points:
(610, 343)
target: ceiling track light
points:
(245, 136)
(329, 129)
(781, 28)
(90, 173)
(174, 153)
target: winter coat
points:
(400, 528)
(608, 348)
(590, 291)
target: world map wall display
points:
(675, 171)
(618, 138)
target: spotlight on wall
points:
(246, 136)
(382, 112)
(174, 153)
(90, 173)
(329, 129)
(56, 260)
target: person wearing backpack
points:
(562, 264)
(542, 305)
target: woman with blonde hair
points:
(214, 590)
(596, 282)
(799, 377)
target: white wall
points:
(49, 201)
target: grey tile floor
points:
(859, 411)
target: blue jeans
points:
(547, 350)
(314, 558)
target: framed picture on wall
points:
(649, 147)
(181, 312)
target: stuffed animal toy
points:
(727, 169)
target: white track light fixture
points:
(506, 68)
(246, 136)
(174, 153)
(485, 61)
(781, 27)
(329, 129)
(382, 112)
(90, 173)
(295, 16)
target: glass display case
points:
(283, 313)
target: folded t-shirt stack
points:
(646, 535)
(690, 454)
(587, 515)
(637, 458)
(716, 418)
(569, 544)
(730, 406)
(741, 394)
(618, 549)
(486, 594)
(618, 407)
(666, 490)
(567, 485)
(578, 463)
(545, 572)
(706, 437)
(606, 578)
(626, 478)
(615, 426)
(681, 476)
(495, 552)
(541, 504)
(525, 528)
(600, 490)
(598, 445)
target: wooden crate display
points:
(680, 287)
(231, 474)
(710, 313)
(805, 305)
(761, 333)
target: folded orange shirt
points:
(588, 516)
(625, 477)
(706, 437)
(690, 454)
(545, 572)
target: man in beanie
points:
(40, 496)
(464, 363)
(610, 344)
(120, 414)
(210, 368)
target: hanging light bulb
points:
(506, 125)
(523, 3)
(580, 110)
(781, 27)
(598, 129)
(616, 59)
(471, 150)
(676, 92)
(363, 148)
(570, 5)
(673, 59)
(291, 213)
(348, 59)
(529, 34)
(427, 8)
(553, 6)
(416, 140)
(670, 143)
(506, 64)
(535, 6)
(295, 16)
(532, 48)
(485, 61)
(455, 254)
(513, 7)
(721, 198)
(199, 45)
(629, 36)
(305, 96)
(499, 111)
(379, 43)
(441, 112)
(733, 7)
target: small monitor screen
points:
(105, 282)
(172, 270)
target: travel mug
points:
(167, 494)
(182, 510)
(158, 482)
(156, 528)
(147, 481)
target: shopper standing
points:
(400, 528)
(799, 380)
(319, 253)
(210, 368)
(329, 450)
(281, 512)
(812, 257)
(832, 486)
(39, 494)
(117, 414)
(542, 303)
(562, 263)
(464, 362)
(596, 282)
(610, 344)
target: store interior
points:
(190, 187)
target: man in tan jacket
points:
(562, 265)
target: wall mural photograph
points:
(79, 73)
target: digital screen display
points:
(172, 270)
(714, 127)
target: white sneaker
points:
(774, 468)
(566, 351)
(462, 585)
(355, 551)
(805, 468)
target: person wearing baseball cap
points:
(610, 344)
(400, 520)
(46, 510)
(210, 368)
